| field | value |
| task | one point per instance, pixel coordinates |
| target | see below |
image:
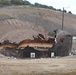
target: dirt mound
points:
(16, 30)
(20, 22)
(47, 18)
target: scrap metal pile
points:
(37, 42)
(39, 46)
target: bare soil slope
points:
(16, 30)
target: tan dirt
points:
(43, 66)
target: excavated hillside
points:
(16, 30)
(22, 22)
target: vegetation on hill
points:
(25, 2)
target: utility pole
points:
(63, 18)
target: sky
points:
(69, 5)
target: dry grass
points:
(54, 73)
(48, 66)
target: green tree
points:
(2, 1)
(69, 12)
(50, 7)
(5, 2)
(17, 1)
(65, 11)
(26, 3)
(37, 4)
(58, 9)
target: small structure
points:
(30, 52)
(63, 43)
(27, 52)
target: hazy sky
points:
(69, 5)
